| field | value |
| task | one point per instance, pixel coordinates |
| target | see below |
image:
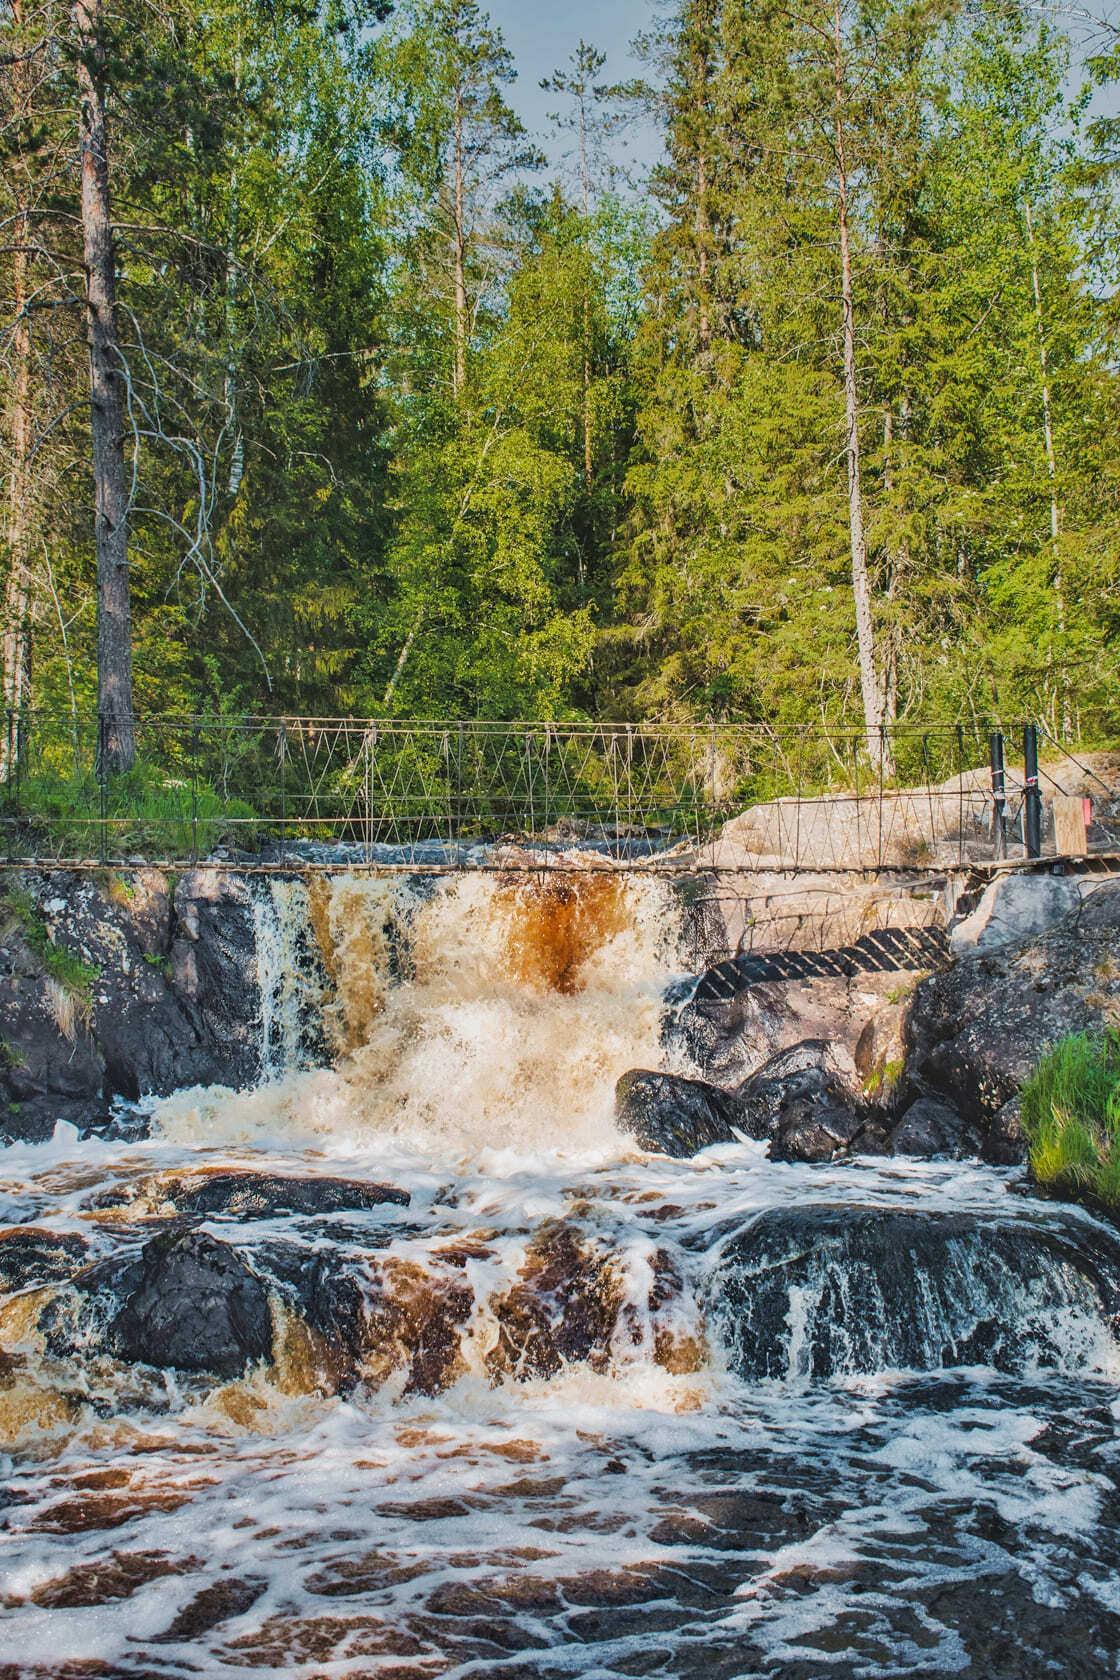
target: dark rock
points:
(192, 1304)
(975, 1032)
(148, 1023)
(214, 970)
(799, 1100)
(563, 1310)
(817, 1121)
(388, 1315)
(930, 1128)
(1005, 1142)
(761, 1098)
(672, 1115)
(828, 1290)
(726, 1037)
(249, 1195)
(30, 1257)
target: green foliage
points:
(147, 810)
(1071, 1116)
(411, 434)
(75, 977)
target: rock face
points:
(1014, 908)
(802, 1104)
(50, 1067)
(671, 1115)
(819, 1291)
(191, 1303)
(121, 985)
(250, 1195)
(974, 1033)
(930, 1128)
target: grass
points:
(73, 978)
(148, 811)
(883, 1079)
(1071, 1116)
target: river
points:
(567, 1409)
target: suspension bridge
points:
(276, 793)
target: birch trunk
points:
(861, 588)
(114, 631)
(1052, 475)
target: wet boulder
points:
(975, 1032)
(762, 1096)
(819, 1120)
(726, 1036)
(192, 1304)
(31, 1257)
(929, 1128)
(672, 1115)
(801, 1102)
(253, 1195)
(563, 1309)
(819, 1291)
(373, 1317)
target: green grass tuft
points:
(1071, 1116)
(68, 971)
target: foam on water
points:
(634, 1504)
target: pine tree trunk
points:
(117, 748)
(16, 652)
(588, 464)
(878, 749)
(703, 212)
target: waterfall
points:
(408, 1353)
(484, 1011)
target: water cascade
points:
(405, 1362)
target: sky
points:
(543, 34)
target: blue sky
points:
(542, 37)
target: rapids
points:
(555, 1407)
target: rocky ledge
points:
(121, 985)
(935, 1069)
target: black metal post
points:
(999, 794)
(1032, 798)
(282, 755)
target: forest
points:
(324, 395)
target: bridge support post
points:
(1032, 798)
(999, 794)
(102, 792)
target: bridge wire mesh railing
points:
(417, 794)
